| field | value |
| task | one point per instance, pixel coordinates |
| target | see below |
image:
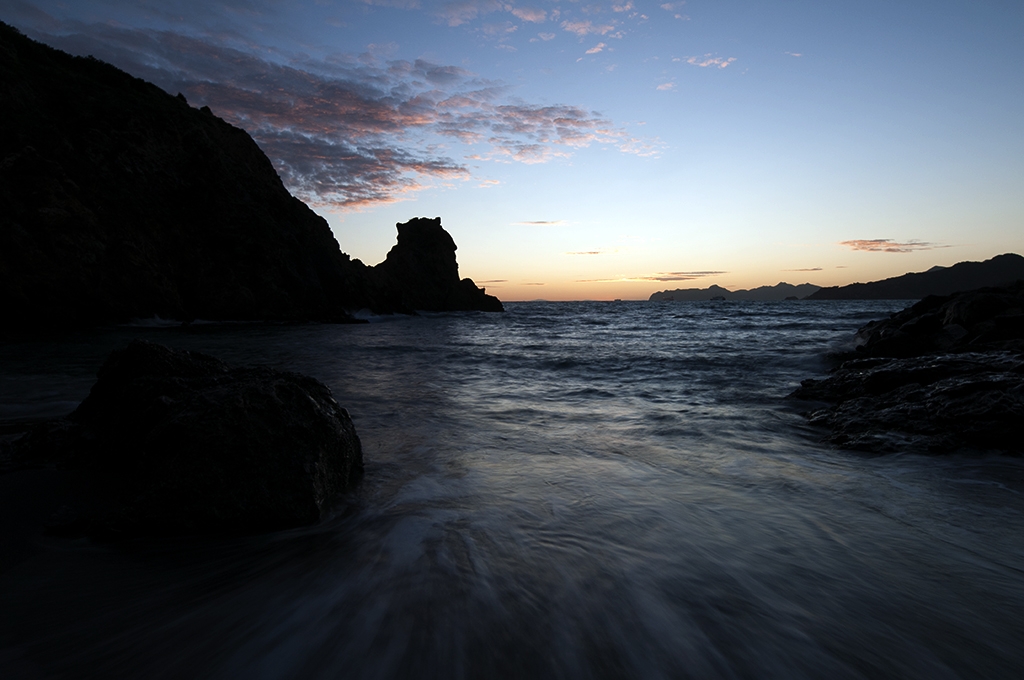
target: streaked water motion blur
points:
(566, 490)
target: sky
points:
(601, 150)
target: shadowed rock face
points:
(420, 273)
(179, 442)
(120, 201)
(944, 375)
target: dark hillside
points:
(1001, 270)
(118, 200)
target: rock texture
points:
(1001, 270)
(179, 442)
(120, 201)
(944, 375)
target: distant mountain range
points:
(999, 271)
(779, 291)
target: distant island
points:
(780, 291)
(1001, 270)
(121, 201)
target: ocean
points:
(565, 490)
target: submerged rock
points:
(179, 442)
(944, 375)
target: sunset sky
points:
(580, 150)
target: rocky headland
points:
(121, 201)
(178, 442)
(945, 375)
(1000, 270)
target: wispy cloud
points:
(707, 61)
(599, 47)
(661, 276)
(886, 245)
(458, 13)
(587, 252)
(541, 223)
(666, 86)
(535, 16)
(584, 28)
(673, 8)
(795, 54)
(805, 269)
(349, 131)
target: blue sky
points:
(580, 150)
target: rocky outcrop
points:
(179, 442)
(120, 201)
(421, 273)
(944, 375)
(780, 291)
(1001, 270)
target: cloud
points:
(533, 284)
(886, 245)
(661, 276)
(587, 252)
(349, 131)
(666, 86)
(546, 36)
(805, 269)
(534, 16)
(487, 183)
(707, 61)
(541, 223)
(493, 281)
(499, 29)
(672, 7)
(599, 47)
(584, 28)
(458, 13)
(623, 7)
(795, 54)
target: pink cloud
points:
(886, 245)
(534, 16)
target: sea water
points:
(565, 490)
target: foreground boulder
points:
(179, 442)
(944, 375)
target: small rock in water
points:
(179, 442)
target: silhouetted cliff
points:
(118, 200)
(1001, 270)
(420, 272)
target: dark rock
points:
(1001, 270)
(421, 273)
(976, 320)
(179, 442)
(944, 375)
